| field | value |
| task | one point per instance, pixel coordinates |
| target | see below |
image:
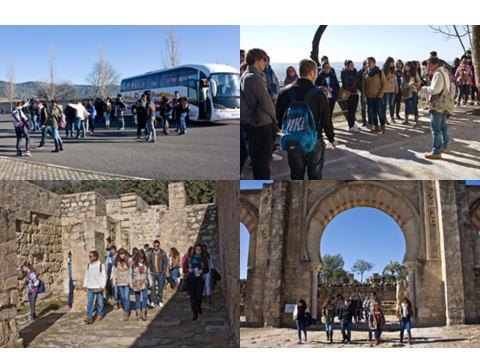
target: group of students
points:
(80, 117)
(352, 309)
(266, 107)
(124, 274)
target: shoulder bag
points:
(442, 102)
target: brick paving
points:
(19, 169)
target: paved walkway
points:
(170, 326)
(398, 154)
(21, 169)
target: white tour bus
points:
(213, 90)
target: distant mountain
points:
(29, 89)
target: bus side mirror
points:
(213, 88)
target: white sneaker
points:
(276, 157)
(161, 304)
(356, 127)
(353, 129)
(153, 305)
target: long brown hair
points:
(174, 252)
(117, 258)
(386, 66)
(139, 255)
(303, 305)
(327, 302)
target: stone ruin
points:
(440, 221)
(42, 227)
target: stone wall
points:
(227, 198)
(8, 280)
(442, 250)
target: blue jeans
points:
(141, 304)
(183, 123)
(80, 125)
(329, 327)
(159, 282)
(312, 161)
(32, 298)
(69, 126)
(36, 125)
(378, 332)
(301, 326)
(107, 118)
(405, 324)
(207, 290)
(152, 133)
(346, 325)
(174, 273)
(21, 131)
(411, 105)
(438, 124)
(90, 298)
(364, 110)
(46, 130)
(116, 294)
(124, 294)
(389, 99)
(71, 289)
(376, 110)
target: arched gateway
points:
(286, 221)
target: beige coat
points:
(134, 275)
(121, 275)
(374, 86)
(392, 84)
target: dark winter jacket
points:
(350, 80)
(322, 82)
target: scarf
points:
(291, 79)
(269, 73)
(197, 261)
(405, 312)
(373, 72)
(141, 268)
(325, 75)
(407, 76)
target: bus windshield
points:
(228, 85)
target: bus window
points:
(153, 81)
(185, 75)
(192, 89)
(123, 86)
(169, 78)
(138, 84)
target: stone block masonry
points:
(438, 219)
(41, 227)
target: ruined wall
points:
(227, 198)
(8, 280)
(443, 254)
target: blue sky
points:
(131, 50)
(358, 233)
(294, 43)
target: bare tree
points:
(476, 50)
(11, 93)
(171, 55)
(66, 90)
(316, 43)
(455, 32)
(103, 76)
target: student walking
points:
(404, 314)
(197, 268)
(175, 266)
(21, 129)
(376, 320)
(207, 291)
(94, 283)
(346, 315)
(368, 304)
(300, 318)
(121, 281)
(71, 287)
(328, 317)
(140, 281)
(32, 282)
(157, 258)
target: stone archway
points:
(249, 218)
(367, 194)
(363, 194)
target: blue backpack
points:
(299, 128)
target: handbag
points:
(184, 284)
(442, 102)
(62, 123)
(215, 274)
(138, 285)
(343, 94)
(407, 92)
